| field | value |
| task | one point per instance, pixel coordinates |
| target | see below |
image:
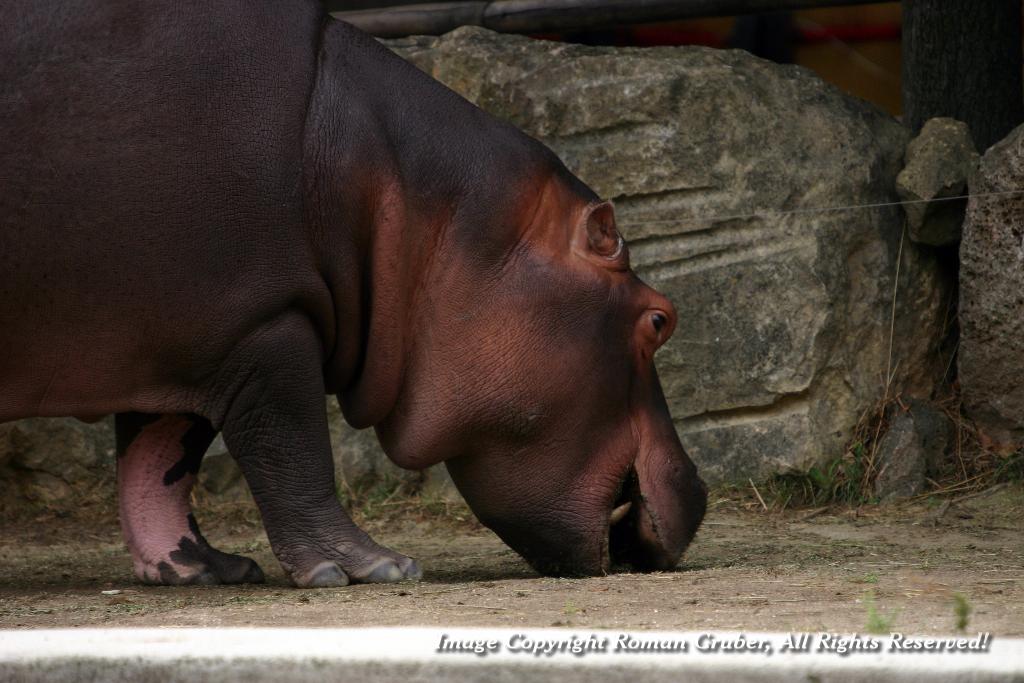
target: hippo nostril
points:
(659, 321)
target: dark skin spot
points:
(128, 428)
(168, 576)
(193, 444)
(222, 567)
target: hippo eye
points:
(659, 321)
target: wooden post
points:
(962, 59)
(543, 16)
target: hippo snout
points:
(646, 528)
(650, 534)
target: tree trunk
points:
(962, 59)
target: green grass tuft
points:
(838, 482)
(867, 578)
(962, 609)
(1010, 468)
(877, 623)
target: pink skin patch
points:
(154, 516)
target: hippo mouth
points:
(622, 524)
(634, 538)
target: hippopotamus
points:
(216, 214)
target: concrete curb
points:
(411, 654)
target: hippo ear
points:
(602, 236)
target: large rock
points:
(992, 296)
(718, 163)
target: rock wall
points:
(719, 164)
(992, 297)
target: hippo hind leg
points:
(158, 458)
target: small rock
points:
(939, 163)
(936, 433)
(901, 463)
(219, 474)
(914, 447)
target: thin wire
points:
(856, 54)
(821, 209)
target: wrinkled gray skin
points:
(214, 213)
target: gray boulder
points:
(992, 297)
(940, 161)
(720, 164)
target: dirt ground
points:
(903, 568)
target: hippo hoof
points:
(385, 569)
(388, 570)
(385, 572)
(411, 570)
(324, 575)
(222, 569)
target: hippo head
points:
(530, 372)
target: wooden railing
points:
(545, 16)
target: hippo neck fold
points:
(397, 193)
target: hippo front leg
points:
(276, 427)
(158, 457)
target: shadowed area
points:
(747, 570)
